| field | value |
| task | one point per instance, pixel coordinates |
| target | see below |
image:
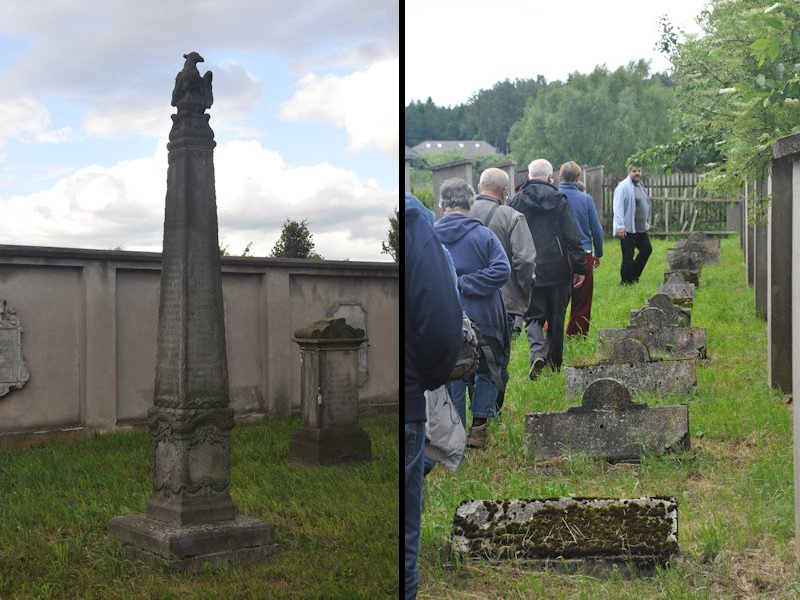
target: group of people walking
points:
(518, 262)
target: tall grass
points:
(337, 527)
(734, 487)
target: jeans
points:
(414, 454)
(484, 398)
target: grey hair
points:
(540, 169)
(456, 193)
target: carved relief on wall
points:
(13, 369)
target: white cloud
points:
(123, 205)
(364, 103)
(25, 119)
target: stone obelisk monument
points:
(191, 518)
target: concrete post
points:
(441, 173)
(779, 278)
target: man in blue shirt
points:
(591, 234)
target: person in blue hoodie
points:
(433, 324)
(482, 268)
(631, 222)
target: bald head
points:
(494, 183)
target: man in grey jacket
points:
(514, 234)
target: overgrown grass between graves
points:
(734, 487)
(337, 526)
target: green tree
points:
(295, 241)
(427, 121)
(392, 244)
(596, 119)
(738, 86)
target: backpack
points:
(468, 356)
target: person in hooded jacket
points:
(482, 269)
(560, 264)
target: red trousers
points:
(580, 311)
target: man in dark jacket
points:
(433, 339)
(560, 264)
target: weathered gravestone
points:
(654, 328)
(689, 275)
(678, 289)
(569, 532)
(630, 363)
(607, 425)
(14, 371)
(330, 433)
(684, 260)
(699, 242)
(191, 519)
(676, 315)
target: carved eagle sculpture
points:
(192, 93)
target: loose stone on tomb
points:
(608, 425)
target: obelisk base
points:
(191, 547)
(330, 446)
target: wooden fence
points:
(677, 206)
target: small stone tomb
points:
(689, 275)
(655, 328)
(676, 315)
(684, 260)
(630, 363)
(679, 291)
(569, 532)
(702, 244)
(330, 434)
(607, 425)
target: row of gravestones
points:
(655, 354)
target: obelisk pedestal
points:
(191, 519)
(330, 434)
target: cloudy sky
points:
(305, 119)
(454, 48)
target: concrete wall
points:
(90, 323)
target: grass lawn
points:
(337, 526)
(734, 488)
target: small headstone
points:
(685, 260)
(330, 433)
(699, 242)
(635, 370)
(676, 315)
(607, 425)
(569, 532)
(689, 275)
(652, 326)
(14, 371)
(678, 290)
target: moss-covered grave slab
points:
(630, 363)
(607, 425)
(638, 531)
(706, 247)
(689, 275)
(678, 289)
(655, 329)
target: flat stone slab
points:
(607, 425)
(685, 259)
(191, 547)
(630, 363)
(679, 291)
(676, 315)
(638, 531)
(689, 275)
(701, 244)
(652, 327)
